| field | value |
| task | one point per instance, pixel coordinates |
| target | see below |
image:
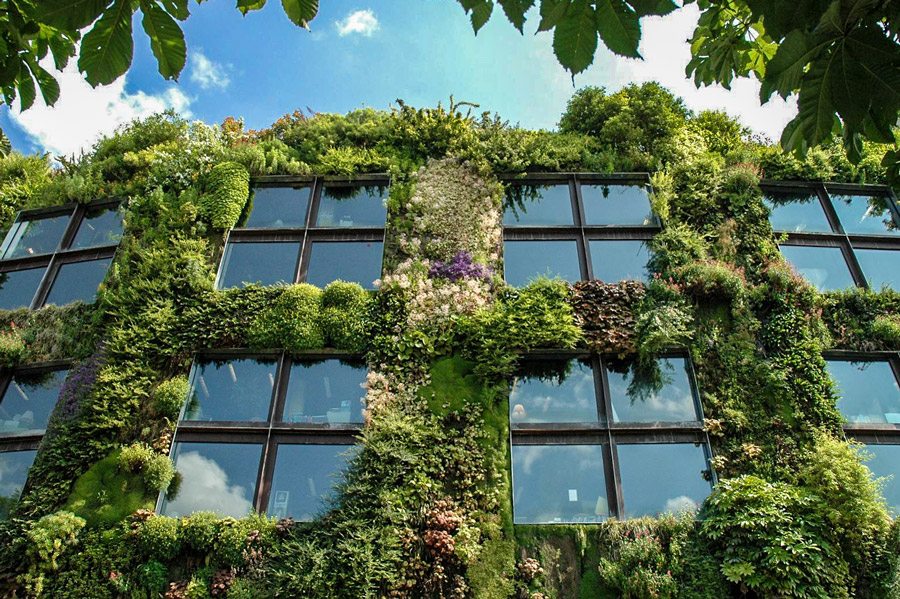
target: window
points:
(313, 230)
(837, 235)
(28, 396)
(265, 432)
(595, 438)
(868, 387)
(58, 255)
(577, 227)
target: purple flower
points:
(460, 267)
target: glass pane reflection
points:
(78, 281)
(329, 391)
(663, 395)
(267, 263)
(31, 237)
(880, 267)
(537, 205)
(617, 205)
(100, 226)
(524, 261)
(17, 287)
(278, 207)
(343, 206)
(14, 467)
(559, 483)
(353, 261)
(233, 390)
(885, 463)
(824, 267)
(796, 211)
(865, 214)
(615, 261)
(220, 477)
(554, 391)
(662, 478)
(303, 480)
(868, 390)
(29, 400)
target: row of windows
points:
(592, 437)
(58, 255)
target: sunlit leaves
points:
(618, 25)
(166, 39)
(300, 12)
(70, 15)
(479, 12)
(575, 37)
(246, 6)
(107, 48)
(515, 11)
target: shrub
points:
(12, 345)
(133, 457)
(344, 316)
(886, 329)
(236, 536)
(170, 397)
(227, 190)
(291, 322)
(48, 539)
(199, 530)
(158, 538)
(158, 472)
(153, 576)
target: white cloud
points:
(682, 503)
(362, 22)
(84, 114)
(206, 487)
(666, 53)
(207, 73)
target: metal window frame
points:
(272, 432)
(610, 434)
(870, 432)
(580, 231)
(6, 378)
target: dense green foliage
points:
(425, 506)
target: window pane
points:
(559, 483)
(868, 390)
(232, 390)
(664, 477)
(267, 263)
(616, 261)
(617, 205)
(29, 401)
(78, 281)
(17, 287)
(220, 477)
(304, 478)
(329, 391)
(353, 206)
(14, 467)
(659, 395)
(885, 463)
(824, 267)
(796, 211)
(100, 226)
(35, 236)
(354, 261)
(880, 267)
(865, 214)
(524, 261)
(278, 207)
(538, 205)
(554, 391)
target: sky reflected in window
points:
(538, 205)
(524, 261)
(343, 206)
(663, 394)
(868, 390)
(880, 267)
(265, 263)
(29, 400)
(353, 261)
(796, 212)
(100, 226)
(865, 214)
(617, 205)
(559, 483)
(325, 392)
(78, 281)
(232, 390)
(615, 261)
(662, 478)
(220, 477)
(35, 236)
(553, 391)
(304, 479)
(278, 208)
(824, 267)
(17, 287)
(885, 463)
(14, 467)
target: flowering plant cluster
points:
(460, 266)
(12, 346)
(79, 383)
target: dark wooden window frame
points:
(610, 434)
(52, 261)
(580, 232)
(837, 237)
(309, 233)
(273, 432)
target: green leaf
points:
(619, 27)
(300, 12)
(551, 13)
(25, 85)
(177, 8)
(5, 145)
(652, 7)
(785, 70)
(107, 48)
(246, 6)
(71, 15)
(575, 37)
(48, 85)
(815, 102)
(166, 39)
(481, 12)
(515, 11)
(61, 47)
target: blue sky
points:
(260, 67)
